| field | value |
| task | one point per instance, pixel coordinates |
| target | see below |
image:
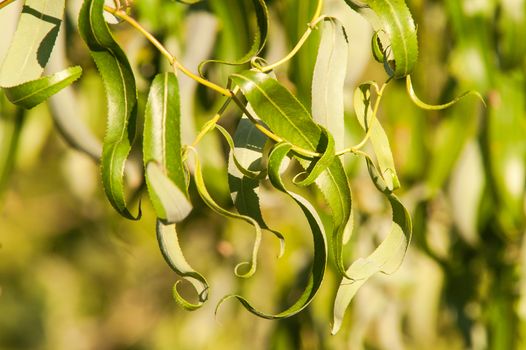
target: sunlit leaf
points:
(163, 162)
(34, 92)
(369, 122)
(392, 18)
(171, 250)
(386, 258)
(121, 95)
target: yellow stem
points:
(5, 3)
(171, 58)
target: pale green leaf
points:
(328, 80)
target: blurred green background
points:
(75, 275)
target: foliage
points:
(281, 130)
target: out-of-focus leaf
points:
(379, 140)
(328, 80)
(209, 201)
(260, 37)
(506, 149)
(245, 170)
(34, 92)
(386, 258)
(276, 159)
(10, 126)
(33, 42)
(121, 94)
(165, 175)
(288, 118)
(512, 25)
(171, 250)
(392, 18)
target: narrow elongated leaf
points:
(378, 137)
(209, 201)
(121, 95)
(288, 118)
(33, 42)
(260, 37)
(392, 18)
(172, 253)
(328, 80)
(276, 159)
(34, 92)
(245, 170)
(386, 258)
(165, 175)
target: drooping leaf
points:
(245, 170)
(377, 135)
(172, 253)
(211, 203)
(276, 159)
(386, 258)
(165, 176)
(34, 92)
(392, 18)
(328, 80)
(260, 36)
(33, 42)
(121, 95)
(286, 117)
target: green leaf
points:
(34, 92)
(276, 159)
(377, 135)
(245, 170)
(328, 80)
(260, 36)
(121, 95)
(209, 201)
(393, 19)
(386, 258)
(172, 253)
(165, 176)
(286, 117)
(33, 42)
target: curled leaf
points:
(172, 253)
(287, 118)
(209, 201)
(426, 106)
(386, 258)
(276, 159)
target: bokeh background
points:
(75, 275)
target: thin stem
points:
(171, 58)
(310, 27)
(5, 3)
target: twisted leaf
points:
(121, 95)
(287, 118)
(379, 140)
(392, 18)
(245, 170)
(386, 258)
(276, 159)
(209, 201)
